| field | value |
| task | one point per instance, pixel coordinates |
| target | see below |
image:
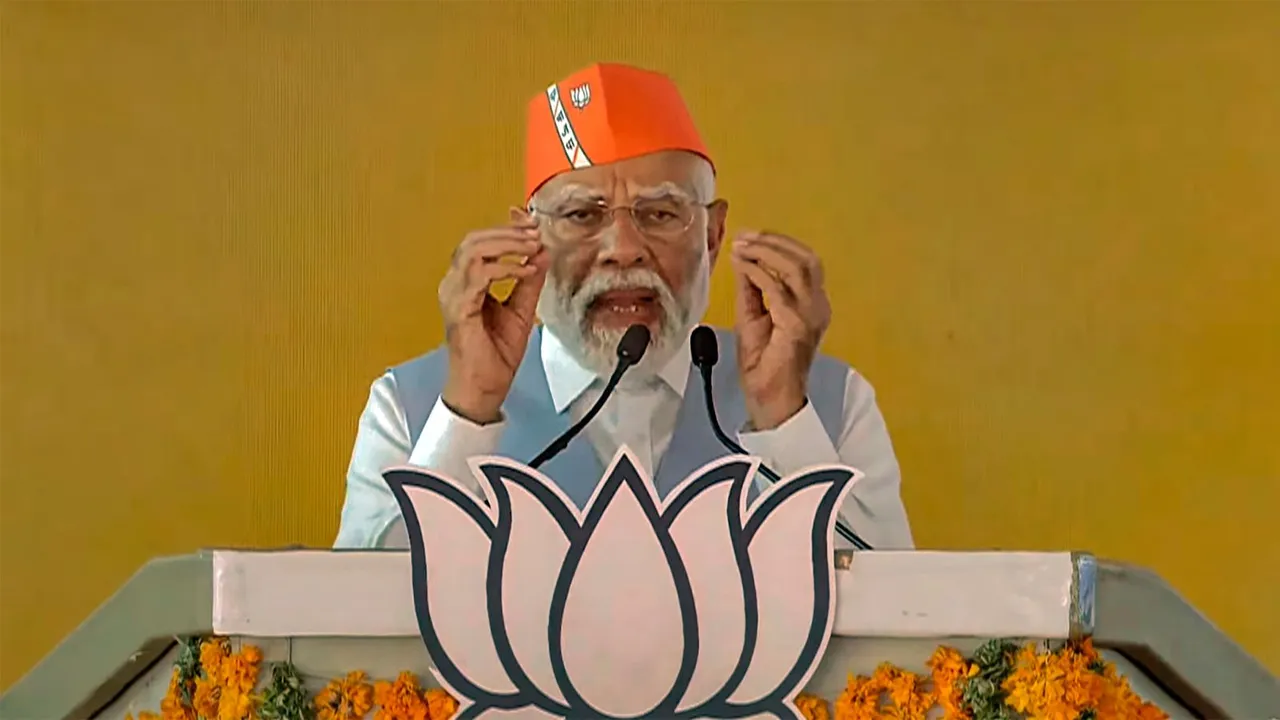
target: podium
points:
(332, 612)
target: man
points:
(621, 226)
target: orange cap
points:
(603, 114)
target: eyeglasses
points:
(660, 218)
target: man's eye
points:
(583, 216)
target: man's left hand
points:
(782, 313)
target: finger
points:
(523, 301)
(749, 299)
(803, 255)
(481, 277)
(779, 264)
(522, 218)
(493, 244)
(781, 305)
(470, 299)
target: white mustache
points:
(598, 284)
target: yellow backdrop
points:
(1053, 234)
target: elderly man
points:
(622, 226)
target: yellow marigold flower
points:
(1085, 648)
(400, 700)
(889, 692)
(207, 697)
(212, 652)
(238, 676)
(947, 667)
(171, 706)
(1053, 685)
(910, 697)
(348, 698)
(440, 704)
(860, 699)
(1120, 702)
(812, 707)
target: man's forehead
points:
(657, 175)
(570, 190)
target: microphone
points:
(630, 351)
(706, 353)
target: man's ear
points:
(717, 219)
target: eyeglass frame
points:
(612, 210)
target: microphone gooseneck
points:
(631, 350)
(705, 350)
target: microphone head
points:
(633, 344)
(704, 347)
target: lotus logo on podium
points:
(694, 606)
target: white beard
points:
(596, 348)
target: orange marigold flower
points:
(889, 692)
(907, 692)
(947, 667)
(207, 697)
(212, 652)
(860, 699)
(1085, 648)
(440, 704)
(812, 707)
(1052, 685)
(171, 706)
(1120, 702)
(238, 676)
(400, 700)
(347, 698)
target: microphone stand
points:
(705, 357)
(631, 349)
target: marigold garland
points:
(345, 698)
(1002, 681)
(405, 700)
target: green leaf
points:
(188, 665)
(983, 694)
(286, 696)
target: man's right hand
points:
(487, 338)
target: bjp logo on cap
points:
(580, 96)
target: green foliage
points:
(983, 693)
(188, 667)
(286, 696)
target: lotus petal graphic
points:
(695, 606)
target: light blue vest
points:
(533, 423)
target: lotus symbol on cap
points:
(695, 606)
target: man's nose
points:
(623, 245)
